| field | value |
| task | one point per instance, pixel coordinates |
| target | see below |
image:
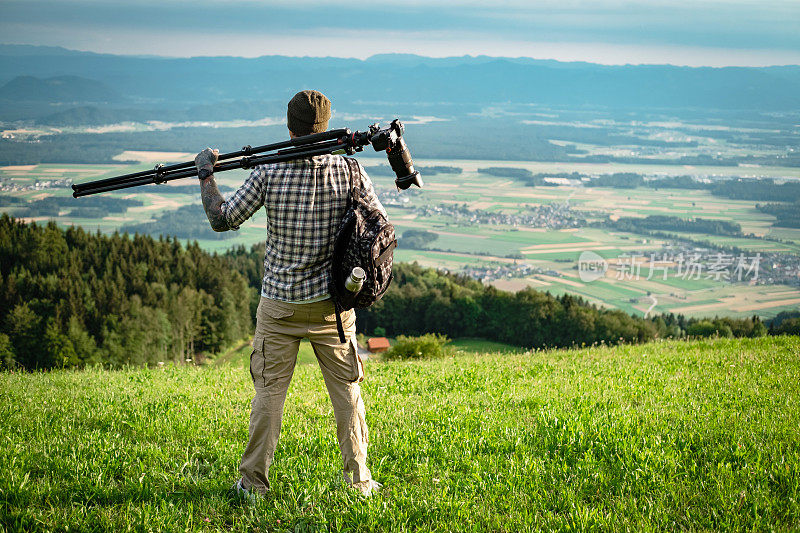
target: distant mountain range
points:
(30, 74)
(58, 89)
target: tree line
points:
(386, 171)
(422, 300)
(71, 298)
(417, 239)
(762, 190)
(672, 223)
(93, 207)
(787, 215)
(185, 222)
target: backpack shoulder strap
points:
(354, 183)
(354, 177)
(339, 325)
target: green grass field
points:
(665, 436)
(240, 355)
(481, 346)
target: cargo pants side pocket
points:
(257, 358)
(356, 358)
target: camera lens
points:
(403, 165)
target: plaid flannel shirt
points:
(305, 201)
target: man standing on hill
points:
(305, 201)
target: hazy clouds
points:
(711, 32)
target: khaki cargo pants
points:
(279, 328)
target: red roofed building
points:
(378, 344)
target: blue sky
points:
(683, 32)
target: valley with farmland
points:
(513, 224)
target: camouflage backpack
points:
(364, 239)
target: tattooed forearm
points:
(212, 203)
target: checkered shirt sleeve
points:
(246, 200)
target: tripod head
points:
(341, 141)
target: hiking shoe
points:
(237, 491)
(367, 488)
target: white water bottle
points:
(356, 280)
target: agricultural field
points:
(690, 435)
(512, 256)
(555, 253)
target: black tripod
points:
(343, 141)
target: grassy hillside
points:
(673, 435)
